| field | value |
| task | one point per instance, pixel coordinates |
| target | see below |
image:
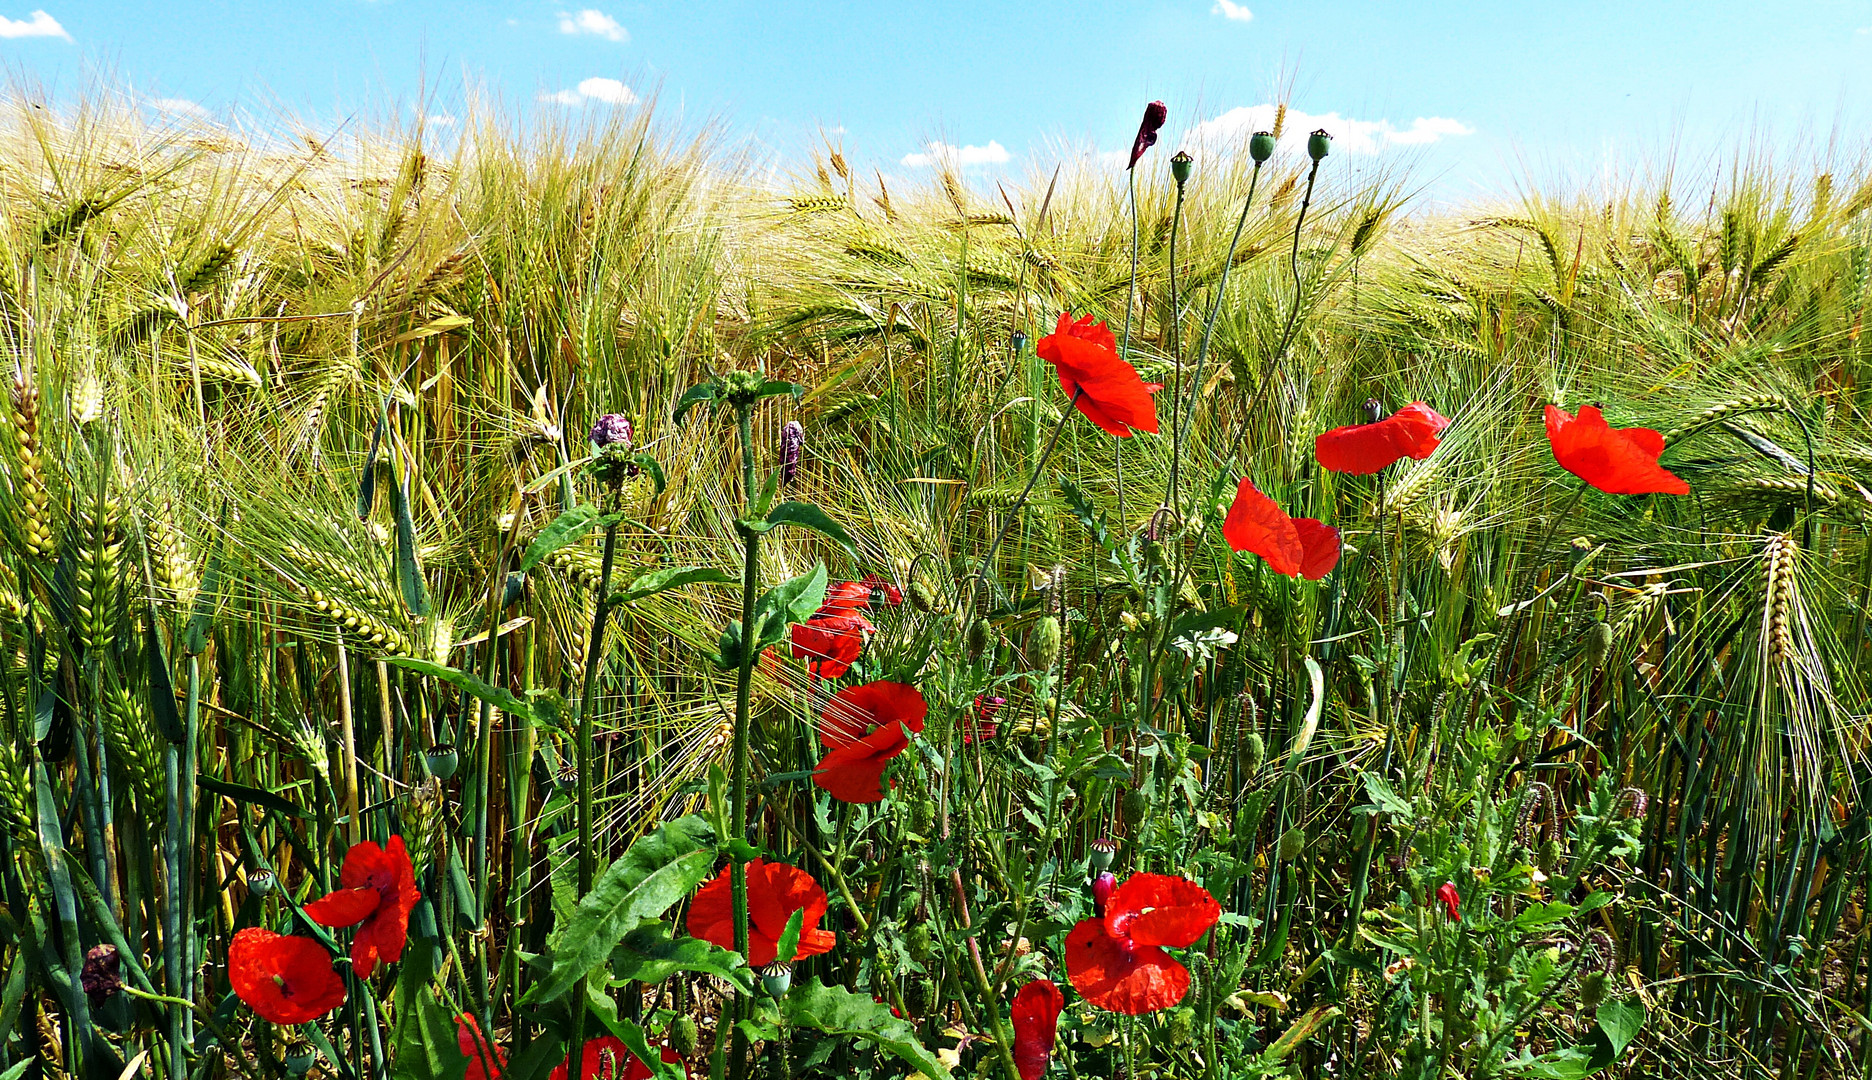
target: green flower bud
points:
(1180, 168)
(922, 597)
(1319, 144)
(1261, 146)
(1136, 805)
(1046, 642)
(1253, 753)
(1550, 855)
(683, 1036)
(1292, 843)
(1592, 988)
(920, 942)
(925, 818)
(1598, 644)
(1179, 1026)
(977, 637)
(442, 760)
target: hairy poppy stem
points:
(1039, 466)
(1293, 313)
(1124, 344)
(744, 687)
(1176, 351)
(1215, 308)
(594, 652)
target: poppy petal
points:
(1319, 548)
(854, 773)
(1122, 977)
(1614, 460)
(1035, 1017)
(775, 892)
(485, 1060)
(1257, 525)
(344, 907)
(1103, 386)
(1161, 909)
(607, 1058)
(285, 979)
(828, 643)
(857, 711)
(1363, 449)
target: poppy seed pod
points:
(611, 429)
(261, 882)
(299, 1057)
(1102, 887)
(442, 760)
(1099, 856)
(792, 439)
(1261, 146)
(1319, 144)
(1180, 167)
(683, 1036)
(1154, 116)
(1019, 341)
(776, 979)
(1046, 642)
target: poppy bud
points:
(792, 439)
(1102, 887)
(1136, 805)
(442, 760)
(1592, 988)
(920, 942)
(1598, 644)
(612, 429)
(261, 882)
(683, 1036)
(925, 817)
(1632, 803)
(1046, 642)
(922, 597)
(776, 979)
(1099, 856)
(1550, 855)
(1451, 899)
(1154, 116)
(1253, 753)
(1292, 843)
(1261, 146)
(977, 637)
(1319, 144)
(1180, 168)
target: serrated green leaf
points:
(501, 699)
(1384, 797)
(777, 387)
(837, 1011)
(674, 577)
(426, 1044)
(565, 529)
(648, 879)
(651, 953)
(769, 491)
(808, 516)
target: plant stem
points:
(1293, 313)
(1215, 308)
(1014, 511)
(1124, 347)
(594, 654)
(744, 691)
(1176, 352)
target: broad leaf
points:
(789, 602)
(651, 953)
(426, 1044)
(501, 699)
(808, 516)
(837, 1011)
(673, 578)
(647, 880)
(634, 1040)
(652, 466)
(696, 395)
(1384, 799)
(163, 711)
(565, 529)
(241, 793)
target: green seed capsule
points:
(442, 760)
(1261, 146)
(1046, 643)
(1180, 168)
(1136, 805)
(1319, 144)
(683, 1036)
(1292, 843)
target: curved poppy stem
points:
(1215, 308)
(1039, 466)
(1124, 347)
(1293, 313)
(1176, 351)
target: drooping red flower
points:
(378, 889)
(1619, 461)
(1452, 900)
(1117, 962)
(1319, 547)
(1363, 449)
(1035, 1014)
(863, 728)
(485, 1060)
(285, 978)
(829, 642)
(606, 1058)
(1292, 546)
(1103, 387)
(775, 892)
(1154, 116)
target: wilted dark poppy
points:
(1035, 1015)
(378, 890)
(607, 1058)
(1292, 546)
(863, 728)
(1452, 900)
(1619, 461)
(485, 1060)
(1117, 962)
(1363, 449)
(775, 892)
(1103, 387)
(286, 979)
(1154, 116)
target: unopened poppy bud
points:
(1292, 843)
(1136, 805)
(1253, 753)
(1319, 144)
(1179, 1026)
(977, 637)
(925, 817)
(1452, 900)
(922, 597)
(920, 942)
(1102, 887)
(792, 439)
(442, 760)
(1100, 854)
(683, 1036)
(776, 979)
(1261, 146)
(1549, 856)
(261, 882)
(1592, 988)
(1180, 168)
(1154, 116)
(1632, 803)
(1598, 644)
(611, 429)
(1046, 642)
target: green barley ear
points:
(173, 564)
(96, 591)
(35, 498)
(133, 743)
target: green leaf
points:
(1619, 1021)
(674, 577)
(435, 326)
(367, 483)
(696, 395)
(837, 1011)
(241, 793)
(565, 529)
(789, 602)
(409, 571)
(652, 466)
(647, 880)
(769, 491)
(787, 950)
(427, 1047)
(1310, 723)
(539, 1060)
(1384, 797)
(635, 1041)
(1542, 915)
(1300, 1032)
(651, 953)
(501, 699)
(776, 387)
(808, 516)
(163, 711)
(207, 596)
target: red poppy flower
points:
(1103, 387)
(1363, 449)
(1619, 461)
(863, 728)
(1292, 546)
(1452, 900)
(1154, 116)
(1319, 548)
(286, 979)
(775, 892)
(485, 1060)
(846, 598)
(1117, 962)
(874, 585)
(980, 725)
(829, 643)
(1035, 1014)
(606, 1058)
(378, 891)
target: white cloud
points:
(958, 156)
(1350, 135)
(605, 91)
(592, 21)
(176, 106)
(1235, 12)
(38, 24)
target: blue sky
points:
(1472, 96)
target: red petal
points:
(307, 987)
(1363, 449)
(828, 643)
(1616, 461)
(1256, 525)
(1035, 1016)
(854, 773)
(1161, 909)
(1104, 387)
(1319, 547)
(855, 711)
(606, 1058)
(345, 907)
(711, 912)
(775, 892)
(485, 1060)
(1134, 980)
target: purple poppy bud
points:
(792, 440)
(612, 429)
(1102, 887)
(1154, 116)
